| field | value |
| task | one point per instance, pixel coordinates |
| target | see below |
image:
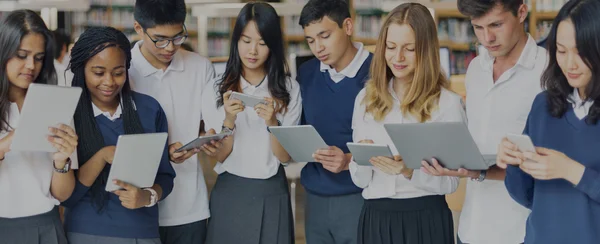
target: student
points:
(501, 84)
(31, 183)
(61, 57)
(329, 84)
(560, 181)
(107, 109)
(176, 78)
(406, 86)
(250, 202)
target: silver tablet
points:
(247, 100)
(449, 142)
(300, 141)
(200, 141)
(136, 160)
(44, 106)
(362, 152)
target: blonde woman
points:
(407, 86)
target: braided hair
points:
(90, 43)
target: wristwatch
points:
(153, 197)
(225, 129)
(65, 169)
(482, 175)
(278, 124)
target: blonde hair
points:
(422, 94)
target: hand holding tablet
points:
(247, 100)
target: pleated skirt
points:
(44, 228)
(422, 220)
(250, 211)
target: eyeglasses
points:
(163, 43)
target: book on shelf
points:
(549, 5)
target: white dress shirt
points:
(489, 215)
(580, 107)
(64, 77)
(378, 184)
(352, 69)
(178, 89)
(252, 156)
(25, 178)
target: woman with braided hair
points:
(107, 109)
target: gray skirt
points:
(250, 211)
(77, 238)
(44, 228)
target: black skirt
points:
(44, 228)
(250, 211)
(422, 220)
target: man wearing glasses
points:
(176, 78)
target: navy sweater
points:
(116, 220)
(328, 106)
(560, 212)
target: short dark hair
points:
(150, 13)
(315, 10)
(478, 8)
(584, 16)
(61, 39)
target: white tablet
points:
(136, 161)
(523, 142)
(300, 141)
(44, 106)
(362, 152)
(247, 100)
(200, 141)
(448, 142)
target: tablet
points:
(200, 141)
(136, 161)
(448, 142)
(44, 106)
(247, 100)
(300, 141)
(523, 142)
(363, 152)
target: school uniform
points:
(250, 202)
(28, 211)
(115, 223)
(333, 202)
(560, 211)
(495, 109)
(178, 89)
(392, 201)
(64, 77)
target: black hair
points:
(15, 26)
(93, 41)
(150, 13)
(584, 16)
(315, 10)
(61, 39)
(479, 8)
(267, 21)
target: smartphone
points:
(523, 142)
(200, 141)
(247, 100)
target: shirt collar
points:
(392, 91)
(245, 84)
(115, 116)
(526, 59)
(139, 61)
(576, 101)
(352, 69)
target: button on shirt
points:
(378, 184)
(178, 89)
(489, 215)
(252, 156)
(25, 178)
(352, 69)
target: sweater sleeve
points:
(518, 183)
(590, 184)
(78, 193)
(166, 173)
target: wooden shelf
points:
(295, 38)
(366, 41)
(546, 15)
(456, 46)
(449, 13)
(219, 59)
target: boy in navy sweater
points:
(560, 182)
(329, 85)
